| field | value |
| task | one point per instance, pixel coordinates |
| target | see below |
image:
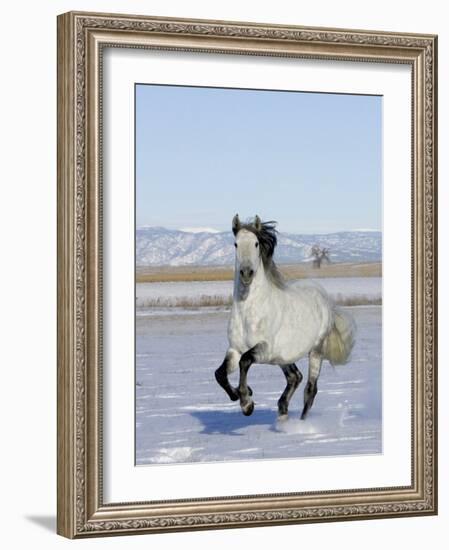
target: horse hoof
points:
(283, 417)
(234, 396)
(248, 409)
(305, 411)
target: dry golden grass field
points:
(226, 273)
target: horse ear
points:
(257, 223)
(236, 224)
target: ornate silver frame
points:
(81, 37)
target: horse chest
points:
(247, 328)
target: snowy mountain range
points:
(161, 246)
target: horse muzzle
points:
(246, 275)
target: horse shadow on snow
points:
(229, 422)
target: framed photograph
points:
(247, 281)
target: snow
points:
(199, 230)
(182, 415)
(168, 293)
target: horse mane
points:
(267, 236)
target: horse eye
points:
(235, 244)
(257, 244)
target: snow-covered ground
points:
(169, 294)
(182, 415)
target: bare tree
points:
(319, 254)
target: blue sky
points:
(311, 161)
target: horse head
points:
(247, 249)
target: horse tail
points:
(338, 344)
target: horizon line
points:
(213, 230)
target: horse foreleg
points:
(311, 389)
(294, 377)
(230, 363)
(251, 356)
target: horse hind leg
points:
(293, 377)
(311, 389)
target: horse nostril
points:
(251, 272)
(241, 272)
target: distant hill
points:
(161, 246)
